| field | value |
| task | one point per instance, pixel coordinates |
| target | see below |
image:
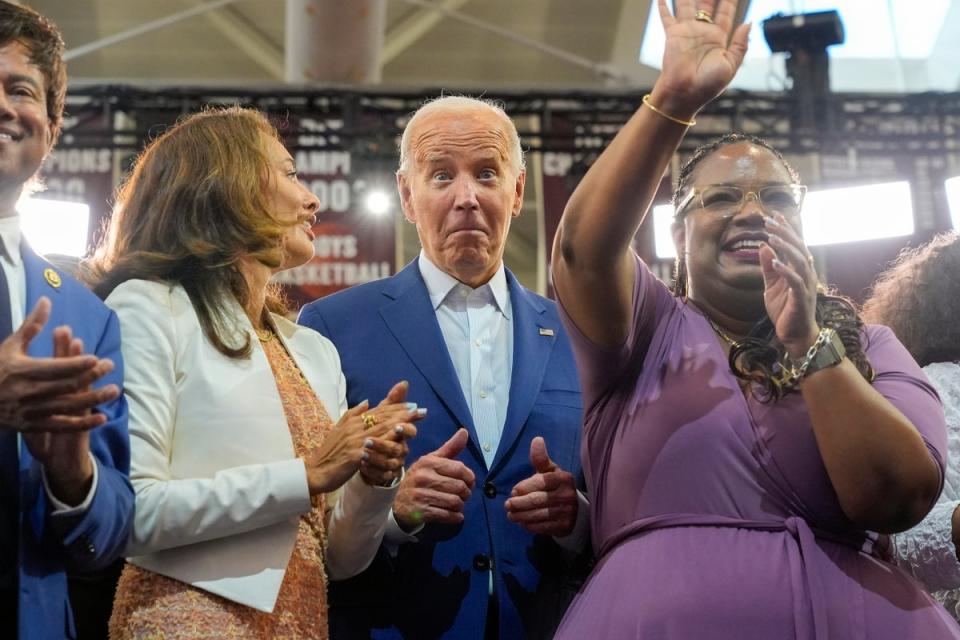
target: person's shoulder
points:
(874, 336)
(346, 299)
(154, 290)
(549, 306)
(66, 287)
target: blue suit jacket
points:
(49, 545)
(387, 331)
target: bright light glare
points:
(854, 214)
(378, 203)
(55, 226)
(662, 237)
(953, 199)
(833, 216)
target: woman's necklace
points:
(264, 335)
(723, 334)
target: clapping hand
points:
(50, 394)
(789, 285)
(364, 439)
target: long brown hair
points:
(757, 357)
(918, 297)
(193, 206)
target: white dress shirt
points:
(477, 327)
(12, 263)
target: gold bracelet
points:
(686, 123)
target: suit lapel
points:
(531, 351)
(42, 280)
(411, 319)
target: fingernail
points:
(422, 411)
(368, 443)
(398, 428)
(411, 406)
(365, 455)
(771, 222)
(777, 263)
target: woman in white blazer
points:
(254, 482)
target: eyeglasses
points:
(726, 200)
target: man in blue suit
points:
(65, 500)
(487, 516)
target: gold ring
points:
(369, 420)
(703, 16)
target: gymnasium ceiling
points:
(466, 45)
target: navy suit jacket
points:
(49, 545)
(387, 331)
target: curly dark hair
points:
(45, 47)
(918, 297)
(757, 357)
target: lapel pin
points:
(546, 332)
(52, 278)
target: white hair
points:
(462, 104)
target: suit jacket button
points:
(489, 489)
(481, 562)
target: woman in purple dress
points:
(746, 436)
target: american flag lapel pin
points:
(546, 332)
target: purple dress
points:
(712, 514)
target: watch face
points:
(829, 354)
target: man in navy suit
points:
(65, 500)
(487, 516)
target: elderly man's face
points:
(461, 190)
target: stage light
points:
(833, 216)
(377, 202)
(55, 226)
(809, 31)
(855, 214)
(662, 236)
(952, 185)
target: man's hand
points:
(435, 487)
(546, 502)
(64, 454)
(49, 394)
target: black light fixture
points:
(803, 31)
(806, 37)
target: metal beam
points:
(411, 29)
(147, 27)
(246, 37)
(601, 69)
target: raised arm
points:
(592, 268)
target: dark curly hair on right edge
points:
(918, 297)
(756, 358)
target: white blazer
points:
(218, 489)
